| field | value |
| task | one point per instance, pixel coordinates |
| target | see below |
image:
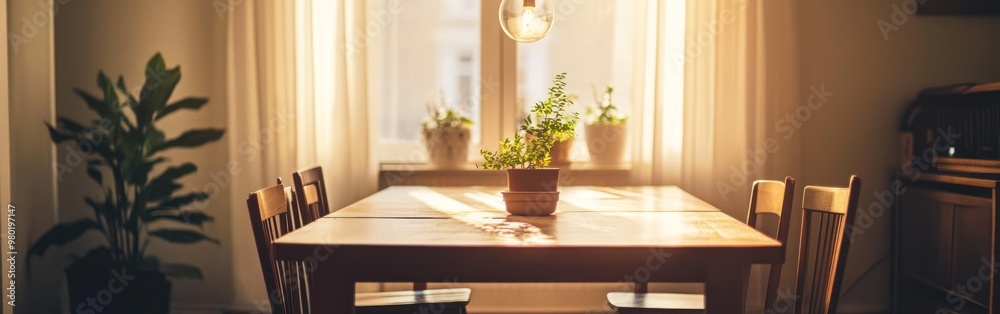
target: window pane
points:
(429, 53)
(593, 42)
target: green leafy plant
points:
(441, 116)
(552, 123)
(136, 205)
(604, 112)
(446, 118)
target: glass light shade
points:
(526, 20)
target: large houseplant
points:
(605, 130)
(138, 204)
(532, 187)
(446, 136)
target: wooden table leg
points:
(725, 289)
(330, 292)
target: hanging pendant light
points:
(526, 20)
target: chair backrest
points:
(271, 219)
(310, 189)
(773, 198)
(290, 198)
(827, 213)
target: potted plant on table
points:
(137, 205)
(446, 136)
(532, 188)
(606, 130)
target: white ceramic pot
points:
(447, 147)
(561, 151)
(606, 143)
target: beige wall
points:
(873, 79)
(4, 133)
(32, 174)
(118, 37)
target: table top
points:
(587, 217)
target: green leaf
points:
(71, 126)
(193, 138)
(177, 270)
(183, 200)
(154, 139)
(172, 174)
(186, 103)
(159, 85)
(95, 174)
(110, 95)
(154, 66)
(191, 217)
(163, 186)
(161, 192)
(57, 135)
(182, 236)
(61, 234)
(96, 105)
(124, 90)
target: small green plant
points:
(551, 124)
(446, 118)
(604, 112)
(440, 116)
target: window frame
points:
(498, 80)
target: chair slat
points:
(823, 245)
(311, 188)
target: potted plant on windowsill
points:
(532, 188)
(137, 205)
(446, 136)
(606, 130)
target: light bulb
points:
(526, 20)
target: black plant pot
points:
(116, 288)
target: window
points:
(429, 54)
(592, 41)
(433, 51)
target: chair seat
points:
(381, 302)
(674, 303)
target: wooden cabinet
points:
(944, 245)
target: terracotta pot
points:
(447, 147)
(606, 143)
(531, 203)
(532, 192)
(533, 180)
(560, 152)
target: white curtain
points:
(711, 107)
(297, 97)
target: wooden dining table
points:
(463, 235)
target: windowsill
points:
(577, 173)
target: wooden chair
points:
(273, 214)
(271, 219)
(823, 245)
(311, 194)
(766, 198)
